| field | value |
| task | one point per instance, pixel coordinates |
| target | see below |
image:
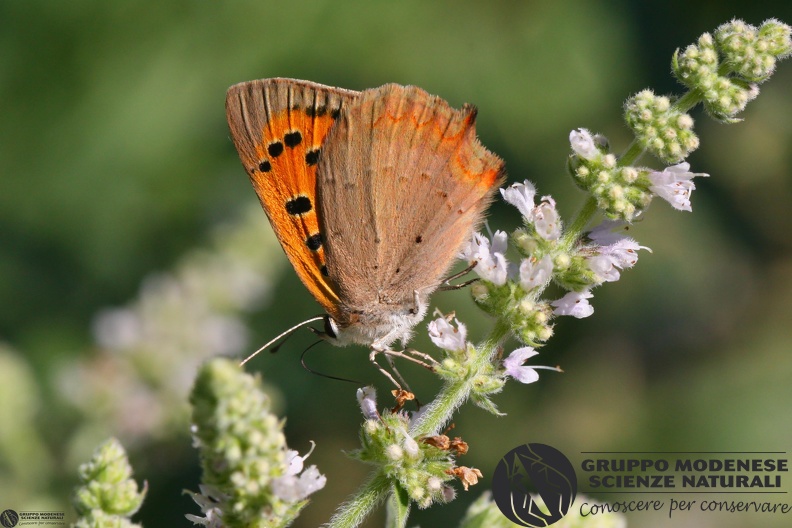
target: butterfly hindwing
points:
(278, 127)
(411, 171)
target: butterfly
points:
(371, 194)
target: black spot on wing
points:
(299, 205)
(314, 242)
(292, 139)
(275, 149)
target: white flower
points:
(445, 336)
(624, 252)
(674, 185)
(615, 252)
(544, 216)
(514, 367)
(293, 488)
(604, 268)
(535, 273)
(294, 461)
(583, 144)
(367, 399)
(210, 501)
(521, 196)
(575, 304)
(491, 262)
(500, 242)
(546, 220)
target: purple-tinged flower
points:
(615, 252)
(367, 399)
(514, 367)
(575, 304)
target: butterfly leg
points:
(446, 285)
(379, 348)
(373, 359)
(429, 362)
(392, 365)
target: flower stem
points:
(356, 509)
(579, 223)
(439, 411)
(688, 101)
(631, 155)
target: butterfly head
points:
(376, 328)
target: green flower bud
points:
(659, 128)
(752, 53)
(107, 494)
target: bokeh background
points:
(131, 246)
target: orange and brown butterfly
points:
(371, 194)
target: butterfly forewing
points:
(279, 127)
(402, 184)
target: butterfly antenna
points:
(284, 335)
(328, 376)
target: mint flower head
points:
(659, 127)
(250, 477)
(422, 469)
(750, 52)
(107, 495)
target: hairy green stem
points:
(579, 223)
(440, 410)
(398, 508)
(355, 510)
(688, 101)
(631, 155)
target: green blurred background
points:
(116, 163)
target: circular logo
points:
(541, 469)
(9, 518)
